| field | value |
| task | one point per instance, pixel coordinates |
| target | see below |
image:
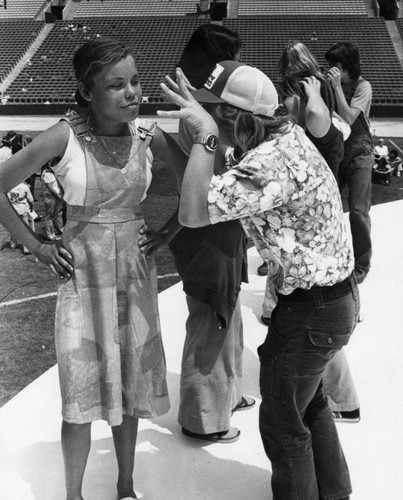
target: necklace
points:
(113, 154)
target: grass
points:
(26, 329)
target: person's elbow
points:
(318, 122)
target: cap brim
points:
(205, 96)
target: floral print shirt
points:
(289, 202)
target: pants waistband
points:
(101, 215)
(320, 294)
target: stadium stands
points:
(130, 8)
(302, 8)
(27, 9)
(16, 37)
(265, 37)
(158, 37)
(157, 44)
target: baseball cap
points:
(240, 85)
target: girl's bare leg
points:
(124, 438)
(76, 443)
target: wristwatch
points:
(210, 141)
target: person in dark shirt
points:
(353, 102)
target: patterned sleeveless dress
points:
(108, 342)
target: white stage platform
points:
(170, 466)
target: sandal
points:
(224, 437)
(245, 403)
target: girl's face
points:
(116, 94)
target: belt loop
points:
(318, 297)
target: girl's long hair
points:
(246, 130)
(297, 63)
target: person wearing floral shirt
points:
(292, 211)
(288, 199)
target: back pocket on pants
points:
(319, 348)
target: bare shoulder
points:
(54, 140)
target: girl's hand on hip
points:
(191, 112)
(59, 260)
(150, 241)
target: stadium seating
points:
(399, 23)
(27, 9)
(264, 38)
(16, 37)
(158, 41)
(302, 7)
(157, 44)
(131, 8)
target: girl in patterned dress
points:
(108, 342)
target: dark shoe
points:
(245, 403)
(262, 269)
(224, 437)
(352, 417)
(265, 321)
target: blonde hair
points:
(297, 63)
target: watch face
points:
(211, 142)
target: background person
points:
(53, 201)
(23, 203)
(353, 103)
(32, 178)
(395, 162)
(380, 150)
(211, 261)
(382, 172)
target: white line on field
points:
(27, 299)
(396, 146)
(53, 294)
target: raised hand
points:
(334, 77)
(191, 112)
(311, 86)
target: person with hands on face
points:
(309, 97)
(353, 103)
(291, 206)
(212, 264)
(108, 340)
